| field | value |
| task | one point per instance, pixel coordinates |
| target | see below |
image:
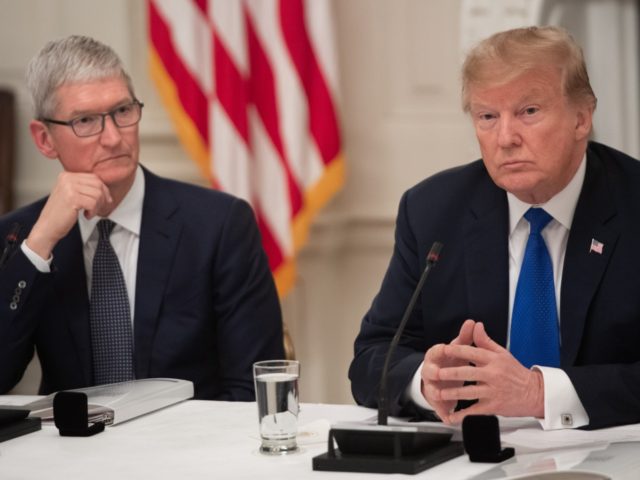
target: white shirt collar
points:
(561, 207)
(128, 214)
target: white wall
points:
(401, 122)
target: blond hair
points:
(506, 55)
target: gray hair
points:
(69, 60)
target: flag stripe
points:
(322, 117)
(321, 34)
(227, 19)
(187, 131)
(191, 38)
(268, 242)
(262, 94)
(290, 98)
(270, 184)
(231, 89)
(235, 174)
(189, 92)
(203, 5)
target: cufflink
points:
(567, 419)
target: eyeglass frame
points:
(103, 115)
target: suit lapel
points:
(159, 234)
(487, 260)
(72, 290)
(583, 268)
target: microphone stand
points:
(390, 449)
(383, 400)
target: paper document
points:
(618, 461)
(535, 439)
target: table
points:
(198, 440)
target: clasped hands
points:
(502, 385)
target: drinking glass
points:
(276, 384)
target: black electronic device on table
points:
(15, 422)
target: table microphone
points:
(386, 448)
(383, 400)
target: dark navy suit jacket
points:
(468, 213)
(205, 309)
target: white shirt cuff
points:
(562, 406)
(40, 263)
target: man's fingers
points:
(465, 336)
(435, 355)
(482, 340)
(455, 418)
(431, 392)
(430, 372)
(468, 392)
(442, 408)
(467, 354)
(461, 374)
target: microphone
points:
(383, 448)
(383, 401)
(9, 242)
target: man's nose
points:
(508, 132)
(111, 134)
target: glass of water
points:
(276, 384)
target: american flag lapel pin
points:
(596, 246)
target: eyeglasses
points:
(93, 124)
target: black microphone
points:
(383, 401)
(9, 242)
(386, 448)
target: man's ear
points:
(584, 119)
(42, 139)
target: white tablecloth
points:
(191, 440)
(208, 440)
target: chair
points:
(7, 149)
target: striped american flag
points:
(251, 87)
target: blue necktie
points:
(109, 314)
(534, 324)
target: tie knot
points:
(537, 218)
(105, 226)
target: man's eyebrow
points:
(80, 113)
(535, 96)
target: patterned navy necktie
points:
(535, 339)
(109, 314)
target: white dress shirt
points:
(562, 406)
(125, 239)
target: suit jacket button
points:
(15, 299)
(13, 306)
(22, 284)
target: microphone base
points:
(381, 449)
